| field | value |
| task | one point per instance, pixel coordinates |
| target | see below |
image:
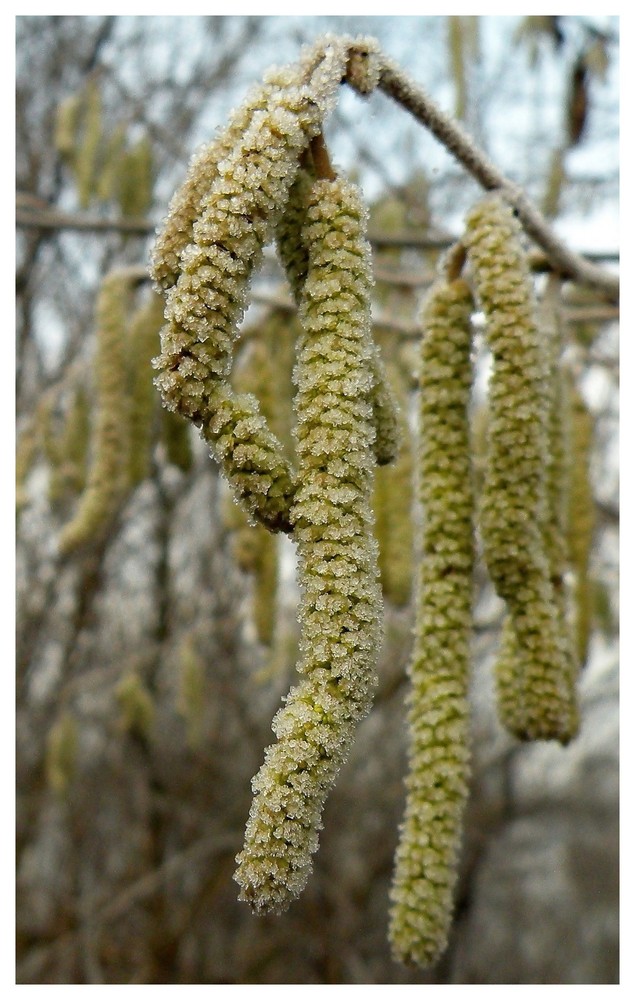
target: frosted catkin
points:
(513, 509)
(437, 782)
(289, 239)
(262, 145)
(294, 258)
(509, 662)
(340, 607)
(108, 475)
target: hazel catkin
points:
(108, 475)
(262, 145)
(513, 509)
(437, 782)
(580, 518)
(340, 607)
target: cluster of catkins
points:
(106, 165)
(266, 178)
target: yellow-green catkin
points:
(393, 506)
(175, 437)
(554, 183)
(291, 249)
(68, 470)
(67, 121)
(135, 179)
(108, 476)
(265, 585)
(266, 373)
(554, 525)
(61, 753)
(142, 344)
(294, 257)
(135, 704)
(580, 519)
(112, 163)
(262, 145)
(249, 187)
(340, 607)
(513, 509)
(191, 694)
(26, 450)
(437, 783)
(255, 551)
(86, 161)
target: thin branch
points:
(442, 241)
(104, 910)
(52, 218)
(397, 85)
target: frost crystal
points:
(340, 609)
(426, 858)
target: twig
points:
(397, 85)
(52, 218)
(104, 910)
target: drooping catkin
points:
(304, 92)
(556, 478)
(266, 372)
(112, 163)
(86, 159)
(67, 119)
(136, 703)
(437, 782)
(289, 240)
(61, 752)
(69, 465)
(294, 257)
(393, 505)
(580, 518)
(340, 608)
(142, 344)
(191, 693)
(174, 432)
(108, 473)
(262, 144)
(513, 509)
(135, 179)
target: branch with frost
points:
(397, 85)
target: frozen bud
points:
(364, 65)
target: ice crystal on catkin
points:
(437, 782)
(340, 608)
(514, 503)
